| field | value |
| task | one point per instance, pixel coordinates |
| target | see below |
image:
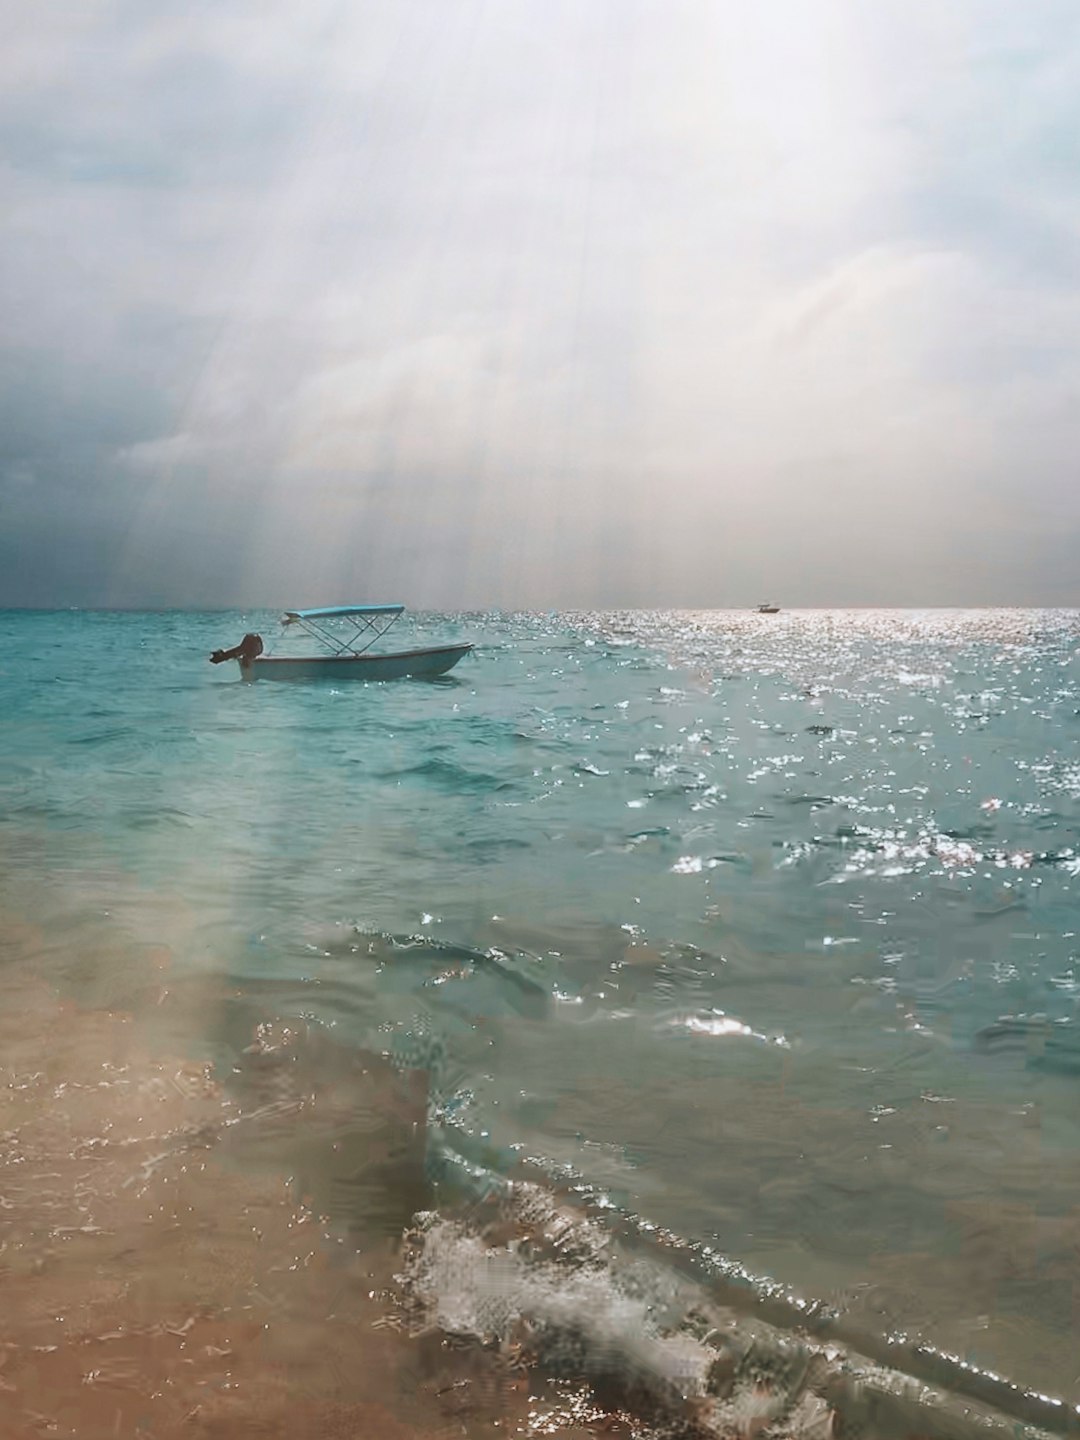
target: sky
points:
(539, 303)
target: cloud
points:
(540, 303)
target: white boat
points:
(347, 658)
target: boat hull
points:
(426, 663)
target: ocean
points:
(747, 946)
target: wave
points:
(511, 1270)
(1051, 1044)
(446, 962)
(448, 775)
(540, 1284)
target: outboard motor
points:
(249, 647)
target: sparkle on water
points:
(761, 930)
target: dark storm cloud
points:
(542, 303)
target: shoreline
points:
(164, 1277)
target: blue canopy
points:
(337, 611)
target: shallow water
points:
(704, 920)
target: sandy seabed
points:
(163, 1275)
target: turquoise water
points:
(709, 919)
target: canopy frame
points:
(365, 620)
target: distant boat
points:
(347, 658)
(768, 609)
